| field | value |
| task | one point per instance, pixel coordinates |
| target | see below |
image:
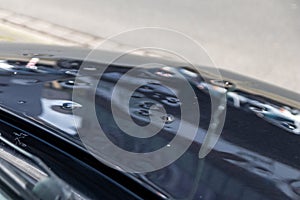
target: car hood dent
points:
(257, 153)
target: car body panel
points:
(256, 156)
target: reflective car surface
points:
(255, 157)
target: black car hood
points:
(256, 156)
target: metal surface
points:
(256, 157)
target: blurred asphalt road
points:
(14, 34)
(260, 39)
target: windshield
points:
(24, 176)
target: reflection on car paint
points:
(232, 166)
(54, 117)
(279, 116)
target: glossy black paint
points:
(257, 156)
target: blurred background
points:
(260, 39)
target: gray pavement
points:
(257, 38)
(9, 33)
